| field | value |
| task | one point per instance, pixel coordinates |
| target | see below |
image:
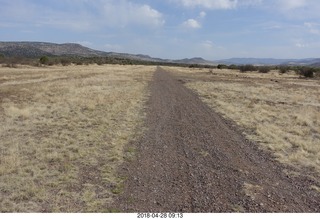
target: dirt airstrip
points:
(190, 159)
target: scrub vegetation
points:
(63, 134)
(279, 111)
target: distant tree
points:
(65, 61)
(306, 72)
(221, 66)
(284, 69)
(245, 68)
(233, 67)
(44, 60)
(264, 69)
(317, 73)
(2, 58)
(193, 66)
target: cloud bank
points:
(209, 4)
(81, 15)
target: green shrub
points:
(306, 72)
(79, 62)
(65, 62)
(233, 67)
(190, 66)
(245, 68)
(44, 60)
(264, 69)
(284, 69)
(221, 66)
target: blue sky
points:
(175, 29)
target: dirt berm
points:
(192, 160)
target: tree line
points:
(13, 62)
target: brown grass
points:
(279, 111)
(63, 132)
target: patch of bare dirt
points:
(192, 160)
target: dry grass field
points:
(279, 111)
(63, 132)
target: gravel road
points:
(192, 160)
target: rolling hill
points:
(268, 61)
(38, 49)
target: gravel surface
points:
(192, 160)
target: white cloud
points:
(207, 44)
(308, 24)
(210, 4)
(271, 25)
(202, 14)
(123, 13)
(80, 15)
(147, 15)
(217, 4)
(313, 28)
(301, 45)
(195, 23)
(274, 27)
(295, 9)
(301, 9)
(192, 23)
(247, 3)
(292, 4)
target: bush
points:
(317, 73)
(99, 62)
(233, 67)
(264, 69)
(306, 72)
(245, 68)
(190, 66)
(220, 66)
(284, 69)
(44, 60)
(65, 62)
(79, 62)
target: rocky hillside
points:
(37, 49)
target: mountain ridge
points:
(38, 49)
(35, 49)
(268, 61)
